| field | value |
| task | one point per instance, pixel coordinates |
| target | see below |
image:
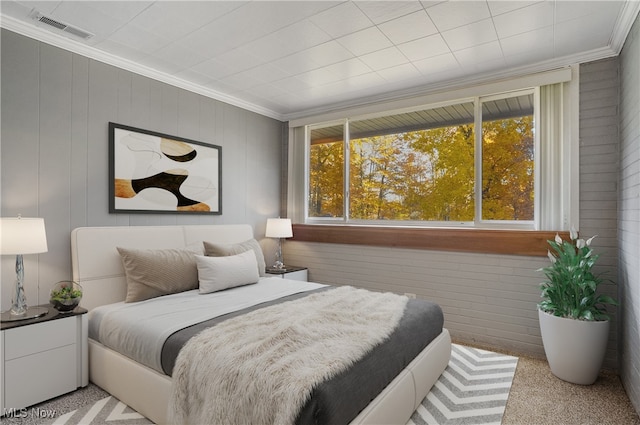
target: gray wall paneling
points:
(599, 164)
(56, 106)
(629, 216)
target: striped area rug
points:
(472, 390)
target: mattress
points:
(153, 331)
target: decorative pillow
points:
(154, 272)
(221, 250)
(218, 273)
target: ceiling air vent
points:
(77, 32)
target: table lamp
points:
(279, 228)
(20, 236)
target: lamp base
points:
(278, 265)
(31, 313)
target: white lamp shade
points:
(20, 235)
(279, 228)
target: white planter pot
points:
(575, 349)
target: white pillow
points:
(218, 273)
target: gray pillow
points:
(222, 250)
(155, 272)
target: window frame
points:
(478, 222)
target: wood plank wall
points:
(629, 216)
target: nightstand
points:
(289, 272)
(43, 358)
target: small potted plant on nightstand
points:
(574, 323)
(65, 295)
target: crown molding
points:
(56, 40)
(623, 25)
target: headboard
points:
(97, 266)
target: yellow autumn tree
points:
(428, 175)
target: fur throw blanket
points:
(260, 368)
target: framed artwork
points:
(152, 172)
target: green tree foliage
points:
(427, 175)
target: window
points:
(501, 155)
(422, 166)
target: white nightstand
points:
(42, 358)
(290, 272)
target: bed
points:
(98, 267)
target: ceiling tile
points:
(566, 11)
(139, 38)
(498, 7)
(478, 54)
(470, 35)
(291, 39)
(158, 20)
(342, 20)
(86, 16)
(46, 7)
(385, 58)
(540, 39)
(437, 64)
(268, 91)
(296, 63)
(328, 53)
(400, 73)
(449, 15)
(409, 27)
(214, 69)
(266, 73)
(290, 85)
(197, 13)
(529, 18)
(242, 81)
(383, 11)
(179, 55)
(365, 41)
(239, 59)
(318, 77)
(570, 37)
(423, 48)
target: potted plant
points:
(65, 295)
(574, 323)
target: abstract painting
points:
(152, 172)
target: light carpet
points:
(472, 390)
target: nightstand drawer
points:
(32, 379)
(44, 336)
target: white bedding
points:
(139, 330)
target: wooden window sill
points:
(514, 242)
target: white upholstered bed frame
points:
(98, 268)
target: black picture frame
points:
(152, 172)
